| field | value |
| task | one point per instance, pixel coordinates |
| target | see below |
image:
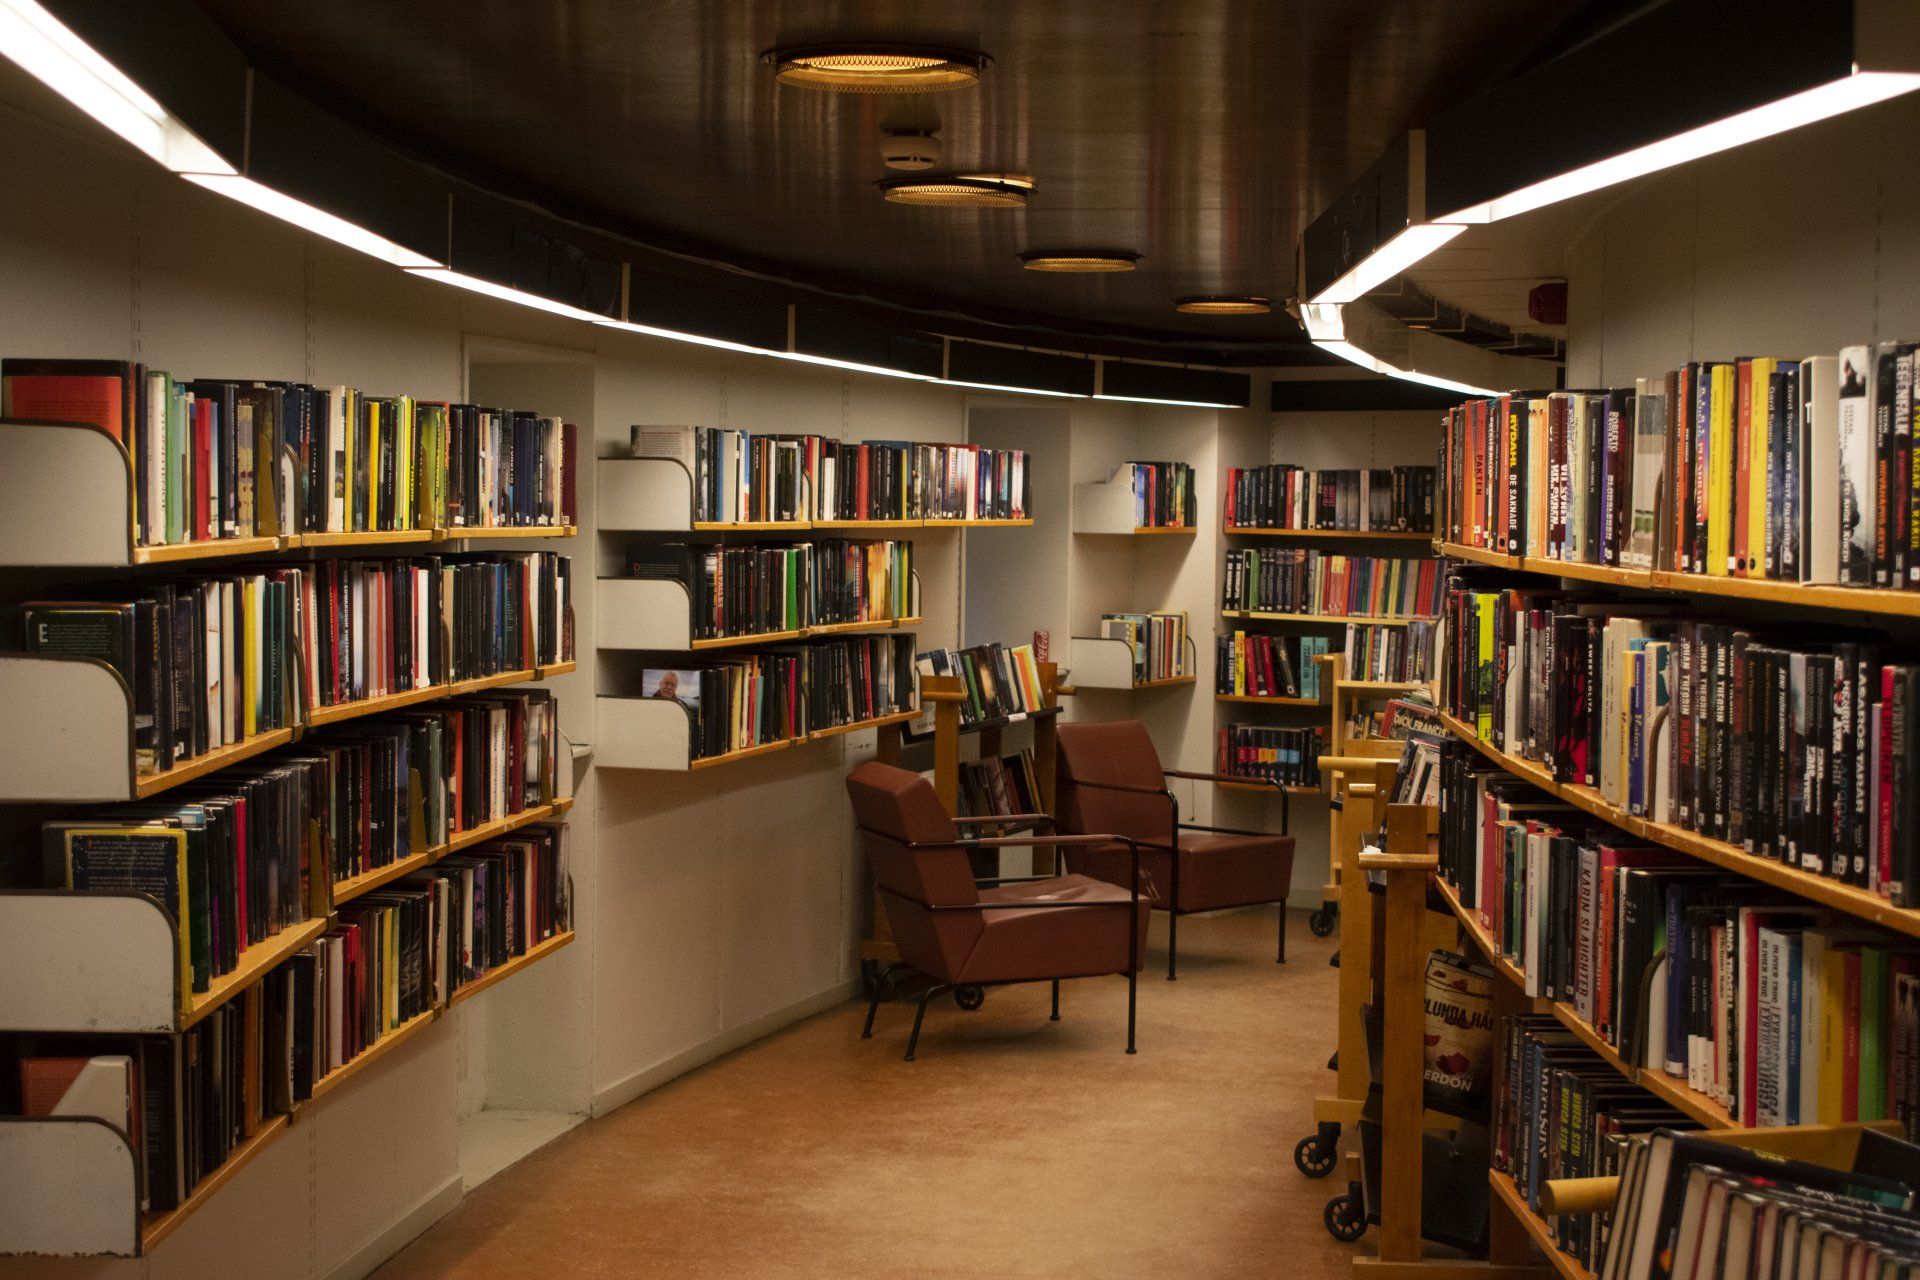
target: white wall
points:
(712, 907)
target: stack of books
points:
(1297, 580)
(1163, 495)
(1376, 500)
(1000, 682)
(740, 477)
(1789, 469)
(1158, 642)
(216, 459)
(1289, 756)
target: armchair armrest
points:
(1003, 819)
(1121, 786)
(1286, 799)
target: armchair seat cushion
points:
(1216, 871)
(1037, 940)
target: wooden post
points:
(1406, 864)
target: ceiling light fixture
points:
(1073, 261)
(49, 51)
(959, 191)
(307, 217)
(876, 68)
(1223, 305)
(910, 151)
(1388, 261)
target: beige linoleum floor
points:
(1013, 1147)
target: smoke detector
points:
(910, 151)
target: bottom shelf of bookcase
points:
(379, 1049)
(1262, 788)
(156, 1227)
(1536, 1229)
(537, 952)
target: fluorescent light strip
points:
(1388, 261)
(831, 363)
(1019, 391)
(675, 335)
(1366, 360)
(1184, 404)
(1862, 89)
(307, 217)
(61, 60)
(504, 293)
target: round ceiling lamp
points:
(1223, 305)
(876, 68)
(910, 151)
(959, 191)
(1083, 261)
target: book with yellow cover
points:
(149, 860)
(1720, 471)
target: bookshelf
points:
(655, 495)
(91, 526)
(656, 733)
(1323, 619)
(1247, 699)
(1401, 536)
(1853, 901)
(1109, 508)
(347, 889)
(1099, 662)
(657, 614)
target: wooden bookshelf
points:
(744, 753)
(1854, 901)
(353, 886)
(149, 784)
(379, 1049)
(500, 973)
(1163, 530)
(346, 890)
(1875, 601)
(1325, 619)
(1025, 523)
(253, 965)
(1262, 788)
(155, 1227)
(210, 549)
(1328, 535)
(1164, 683)
(407, 698)
(364, 538)
(1537, 1230)
(874, 525)
(1483, 942)
(1248, 699)
(896, 717)
(547, 670)
(758, 637)
(468, 533)
(851, 628)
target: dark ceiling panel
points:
(1203, 135)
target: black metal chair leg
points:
(1133, 984)
(1282, 959)
(1173, 937)
(919, 1014)
(873, 1007)
(1055, 1016)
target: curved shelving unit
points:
(1100, 662)
(1107, 508)
(656, 733)
(1329, 535)
(68, 1188)
(655, 495)
(1324, 619)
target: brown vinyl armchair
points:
(966, 933)
(1110, 779)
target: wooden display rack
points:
(945, 694)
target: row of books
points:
(1399, 654)
(1297, 580)
(1288, 756)
(1560, 1111)
(213, 660)
(1799, 749)
(1158, 642)
(1796, 470)
(741, 477)
(1783, 1012)
(1690, 1207)
(755, 589)
(1370, 500)
(1163, 496)
(786, 692)
(1000, 682)
(999, 785)
(233, 857)
(187, 1100)
(216, 458)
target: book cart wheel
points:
(969, 996)
(1314, 1154)
(1322, 920)
(1346, 1216)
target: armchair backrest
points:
(1117, 752)
(896, 809)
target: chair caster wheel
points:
(1321, 921)
(969, 996)
(1345, 1218)
(1315, 1154)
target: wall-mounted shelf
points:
(1254, 700)
(473, 533)
(1329, 535)
(1100, 662)
(1878, 601)
(500, 973)
(351, 887)
(655, 495)
(1265, 789)
(656, 733)
(68, 1188)
(1323, 619)
(1108, 507)
(657, 614)
(70, 736)
(99, 961)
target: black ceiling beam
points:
(1359, 395)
